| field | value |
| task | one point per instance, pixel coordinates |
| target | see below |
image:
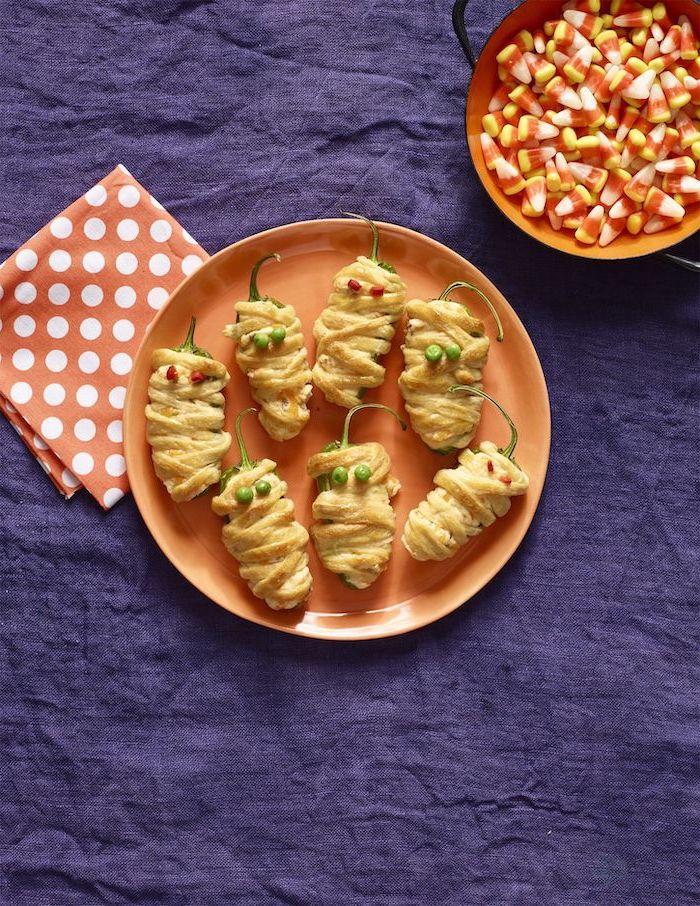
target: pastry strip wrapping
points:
(355, 329)
(354, 523)
(278, 374)
(265, 538)
(465, 501)
(442, 420)
(185, 422)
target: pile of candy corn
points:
(595, 120)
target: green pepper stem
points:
(460, 283)
(245, 461)
(474, 391)
(254, 295)
(345, 439)
(374, 254)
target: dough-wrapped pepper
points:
(354, 522)
(444, 345)
(357, 326)
(466, 499)
(185, 418)
(270, 351)
(261, 532)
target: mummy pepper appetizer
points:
(185, 418)
(354, 522)
(444, 345)
(261, 532)
(467, 499)
(270, 351)
(357, 326)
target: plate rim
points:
(311, 632)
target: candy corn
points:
(595, 122)
(589, 230)
(658, 202)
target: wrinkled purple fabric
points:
(539, 747)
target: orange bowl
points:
(531, 15)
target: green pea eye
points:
(262, 488)
(363, 472)
(278, 334)
(339, 475)
(261, 340)
(433, 353)
(244, 495)
(453, 351)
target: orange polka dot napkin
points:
(75, 301)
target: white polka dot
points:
(125, 296)
(82, 464)
(157, 297)
(84, 429)
(121, 363)
(39, 443)
(156, 204)
(59, 260)
(94, 228)
(115, 431)
(86, 395)
(25, 293)
(111, 496)
(186, 236)
(23, 359)
(161, 231)
(52, 428)
(115, 465)
(59, 293)
(24, 326)
(57, 327)
(92, 295)
(61, 228)
(96, 196)
(20, 392)
(54, 394)
(116, 397)
(17, 429)
(159, 264)
(93, 262)
(56, 360)
(26, 260)
(127, 263)
(127, 229)
(90, 329)
(10, 408)
(123, 330)
(69, 479)
(128, 196)
(190, 263)
(88, 362)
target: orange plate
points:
(531, 15)
(408, 594)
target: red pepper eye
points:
(354, 285)
(171, 373)
(489, 466)
(197, 377)
(377, 291)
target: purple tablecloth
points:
(540, 746)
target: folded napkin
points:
(75, 301)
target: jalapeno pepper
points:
(356, 327)
(444, 344)
(270, 351)
(466, 499)
(354, 522)
(185, 418)
(261, 532)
